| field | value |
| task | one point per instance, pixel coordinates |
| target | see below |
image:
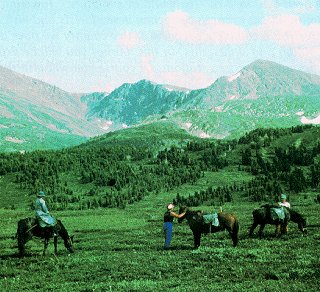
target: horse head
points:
(68, 243)
(303, 226)
(68, 240)
(182, 209)
(298, 218)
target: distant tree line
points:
(101, 175)
(294, 168)
(110, 176)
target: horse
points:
(198, 227)
(263, 216)
(29, 227)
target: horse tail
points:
(235, 231)
(24, 232)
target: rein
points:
(31, 228)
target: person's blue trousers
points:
(167, 227)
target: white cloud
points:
(129, 40)
(180, 26)
(288, 31)
(310, 56)
(192, 79)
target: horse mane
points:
(194, 212)
(296, 216)
(198, 213)
(62, 230)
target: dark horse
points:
(29, 227)
(262, 216)
(197, 225)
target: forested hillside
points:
(105, 174)
(280, 160)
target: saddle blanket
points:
(211, 219)
(278, 213)
(46, 220)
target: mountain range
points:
(37, 115)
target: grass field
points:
(121, 250)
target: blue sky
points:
(96, 45)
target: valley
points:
(120, 247)
(111, 188)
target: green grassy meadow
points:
(121, 250)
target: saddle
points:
(211, 218)
(52, 229)
(278, 213)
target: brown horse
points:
(198, 227)
(263, 216)
(29, 227)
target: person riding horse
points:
(276, 210)
(277, 213)
(42, 213)
(284, 202)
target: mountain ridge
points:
(257, 82)
(263, 93)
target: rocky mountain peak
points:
(262, 93)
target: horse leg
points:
(21, 248)
(252, 228)
(55, 242)
(278, 231)
(234, 232)
(197, 239)
(302, 228)
(261, 230)
(22, 240)
(284, 228)
(46, 243)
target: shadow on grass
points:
(11, 256)
(149, 248)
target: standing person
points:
(168, 217)
(284, 202)
(42, 213)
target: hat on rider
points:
(283, 196)
(41, 194)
